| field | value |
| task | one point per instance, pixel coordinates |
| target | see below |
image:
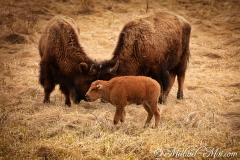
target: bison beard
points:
(125, 90)
(63, 61)
(156, 46)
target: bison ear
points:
(115, 68)
(83, 67)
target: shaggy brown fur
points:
(63, 60)
(155, 46)
(125, 90)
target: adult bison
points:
(155, 46)
(63, 60)
(125, 90)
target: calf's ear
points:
(83, 67)
(99, 86)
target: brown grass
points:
(208, 115)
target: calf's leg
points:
(156, 112)
(118, 114)
(123, 116)
(150, 114)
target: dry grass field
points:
(206, 122)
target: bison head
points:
(94, 91)
(84, 68)
(108, 70)
(82, 81)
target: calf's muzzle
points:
(87, 98)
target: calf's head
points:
(94, 92)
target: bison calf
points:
(125, 90)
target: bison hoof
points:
(179, 95)
(76, 102)
(162, 101)
(68, 104)
(46, 101)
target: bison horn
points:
(114, 69)
(91, 69)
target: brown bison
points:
(156, 46)
(63, 60)
(125, 90)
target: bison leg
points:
(180, 79)
(48, 88)
(150, 114)
(166, 92)
(181, 70)
(118, 114)
(161, 75)
(46, 80)
(66, 92)
(76, 96)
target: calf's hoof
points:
(118, 126)
(146, 125)
(115, 122)
(103, 101)
(122, 120)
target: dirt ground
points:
(208, 118)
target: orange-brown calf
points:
(125, 90)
